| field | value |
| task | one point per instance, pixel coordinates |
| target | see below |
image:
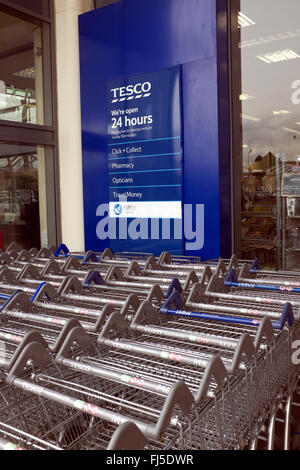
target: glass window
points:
(41, 7)
(270, 54)
(22, 195)
(21, 70)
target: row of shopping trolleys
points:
(132, 351)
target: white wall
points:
(69, 120)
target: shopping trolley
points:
(280, 371)
(72, 291)
(241, 344)
(32, 425)
(13, 438)
(193, 365)
(245, 296)
(158, 374)
(20, 311)
(72, 409)
(29, 280)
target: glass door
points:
(270, 98)
(22, 195)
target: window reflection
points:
(38, 6)
(22, 195)
(21, 70)
(270, 52)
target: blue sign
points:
(145, 147)
(147, 36)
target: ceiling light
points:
(291, 130)
(271, 38)
(278, 56)
(250, 118)
(244, 97)
(245, 146)
(281, 111)
(298, 123)
(26, 73)
(244, 21)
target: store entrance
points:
(270, 59)
(20, 195)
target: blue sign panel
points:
(145, 149)
(133, 38)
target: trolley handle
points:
(4, 259)
(93, 277)
(12, 246)
(9, 299)
(245, 349)
(24, 256)
(107, 254)
(28, 271)
(221, 269)
(179, 396)
(165, 354)
(37, 293)
(114, 274)
(215, 371)
(133, 270)
(286, 317)
(233, 263)
(7, 276)
(52, 267)
(174, 286)
(71, 263)
(164, 259)
(33, 252)
(265, 333)
(44, 253)
(174, 300)
(90, 257)
(145, 315)
(123, 376)
(62, 248)
(232, 281)
(116, 323)
(7, 429)
(13, 254)
(151, 264)
(127, 437)
(131, 304)
(156, 294)
(191, 279)
(70, 284)
(105, 313)
(147, 321)
(35, 351)
(255, 266)
(72, 333)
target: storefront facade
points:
(239, 101)
(29, 210)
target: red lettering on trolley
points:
(175, 357)
(88, 408)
